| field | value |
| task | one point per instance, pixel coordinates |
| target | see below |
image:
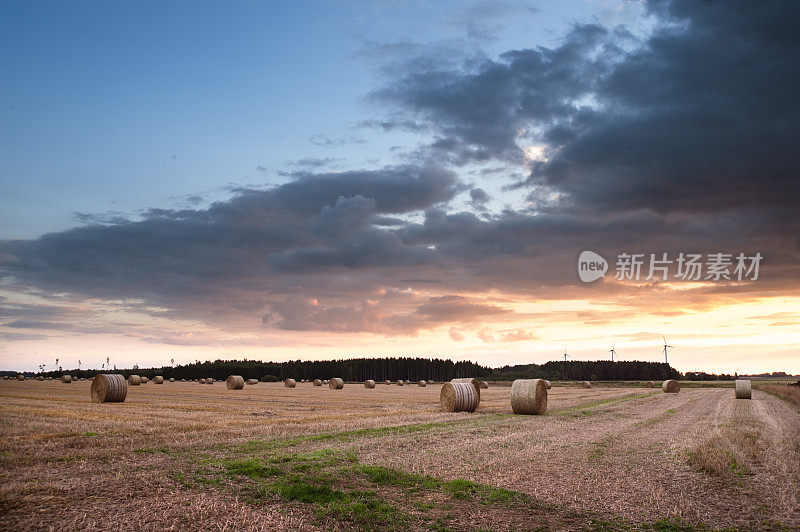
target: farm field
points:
(184, 455)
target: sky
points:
(284, 180)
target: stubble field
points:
(190, 456)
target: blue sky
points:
(129, 105)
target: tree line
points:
(406, 368)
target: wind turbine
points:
(666, 361)
(565, 354)
(612, 352)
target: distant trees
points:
(600, 370)
(413, 369)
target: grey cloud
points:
(328, 142)
(313, 163)
(481, 106)
(478, 198)
(699, 116)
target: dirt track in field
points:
(619, 454)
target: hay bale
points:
(586, 384)
(459, 397)
(408, 381)
(431, 382)
(109, 388)
(290, 383)
(134, 380)
(234, 382)
(369, 383)
(529, 396)
(484, 385)
(251, 381)
(547, 382)
(650, 384)
(172, 379)
(325, 382)
(40, 378)
(20, 377)
(400, 382)
(422, 384)
(144, 380)
(304, 381)
(158, 379)
(743, 390)
(671, 386)
(66, 379)
(317, 382)
(387, 382)
(5, 377)
(336, 384)
(202, 381)
(209, 380)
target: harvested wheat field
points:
(311, 458)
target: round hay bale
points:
(134, 380)
(408, 381)
(586, 384)
(235, 382)
(202, 381)
(20, 377)
(40, 378)
(317, 382)
(325, 382)
(290, 383)
(158, 379)
(743, 390)
(5, 377)
(431, 382)
(66, 379)
(251, 381)
(650, 384)
(671, 386)
(422, 384)
(369, 383)
(303, 381)
(336, 384)
(400, 382)
(529, 396)
(144, 380)
(387, 382)
(459, 397)
(209, 380)
(109, 388)
(484, 385)
(547, 382)
(172, 379)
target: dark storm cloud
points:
(173, 253)
(478, 198)
(700, 116)
(481, 107)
